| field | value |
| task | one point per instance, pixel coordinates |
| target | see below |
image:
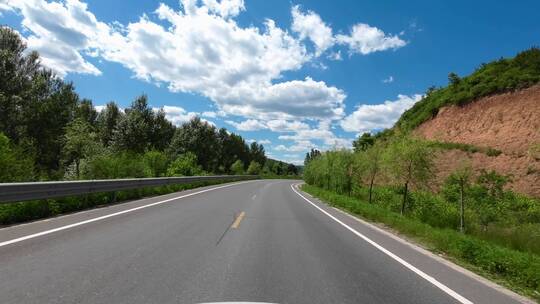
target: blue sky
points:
(290, 74)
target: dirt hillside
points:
(507, 122)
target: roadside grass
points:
(519, 271)
(13, 213)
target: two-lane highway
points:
(257, 241)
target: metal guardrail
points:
(18, 192)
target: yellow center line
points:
(238, 220)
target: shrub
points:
(493, 152)
(434, 210)
(156, 163)
(237, 167)
(185, 165)
(254, 168)
(13, 166)
(114, 165)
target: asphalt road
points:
(256, 241)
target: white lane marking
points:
(31, 236)
(441, 260)
(419, 272)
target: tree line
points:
(396, 172)
(47, 132)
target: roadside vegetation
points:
(47, 132)
(472, 217)
(517, 270)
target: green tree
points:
(489, 194)
(292, 169)
(257, 153)
(461, 178)
(162, 131)
(107, 122)
(134, 131)
(410, 162)
(14, 167)
(185, 165)
(430, 91)
(254, 168)
(156, 163)
(79, 143)
(226, 154)
(343, 171)
(47, 113)
(35, 105)
(311, 155)
(368, 165)
(199, 138)
(363, 142)
(454, 79)
(237, 167)
(17, 70)
(85, 110)
(493, 183)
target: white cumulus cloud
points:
(365, 39)
(199, 47)
(247, 125)
(177, 115)
(367, 118)
(299, 146)
(60, 32)
(322, 133)
(259, 141)
(224, 8)
(310, 25)
(280, 125)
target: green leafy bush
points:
(185, 165)
(156, 163)
(237, 167)
(254, 168)
(13, 166)
(115, 165)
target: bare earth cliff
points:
(507, 122)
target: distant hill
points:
(490, 118)
(501, 76)
(280, 168)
